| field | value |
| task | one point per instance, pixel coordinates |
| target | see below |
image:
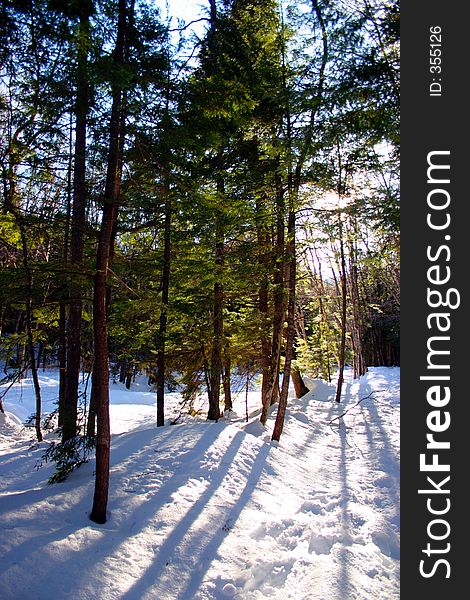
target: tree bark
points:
(100, 378)
(11, 205)
(74, 322)
(129, 377)
(161, 342)
(29, 332)
(300, 388)
(324, 321)
(342, 347)
(91, 421)
(357, 325)
(218, 324)
(62, 305)
(227, 381)
(293, 186)
(263, 299)
(279, 305)
(289, 352)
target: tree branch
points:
(371, 395)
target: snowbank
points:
(214, 510)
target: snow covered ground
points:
(204, 510)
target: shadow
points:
(230, 517)
(157, 557)
(166, 566)
(17, 500)
(343, 582)
(381, 448)
(87, 561)
(386, 453)
(39, 542)
(9, 462)
(124, 444)
(346, 393)
(381, 456)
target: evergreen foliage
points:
(68, 456)
(255, 173)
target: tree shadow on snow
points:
(384, 456)
(189, 550)
(381, 447)
(88, 562)
(343, 581)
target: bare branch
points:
(371, 395)
(189, 24)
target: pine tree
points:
(68, 417)
(100, 299)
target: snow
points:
(202, 510)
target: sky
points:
(188, 10)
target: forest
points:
(209, 204)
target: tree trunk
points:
(300, 388)
(342, 347)
(129, 377)
(164, 308)
(123, 370)
(324, 321)
(213, 413)
(74, 322)
(279, 305)
(294, 177)
(357, 325)
(216, 358)
(40, 354)
(22, 367)
(11, 205)
(62, 305)
(289, 353)
(228, 405)
(91, 422)
(100, 378)
(263, 300)
(29, 330)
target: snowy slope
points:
(206, 511)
